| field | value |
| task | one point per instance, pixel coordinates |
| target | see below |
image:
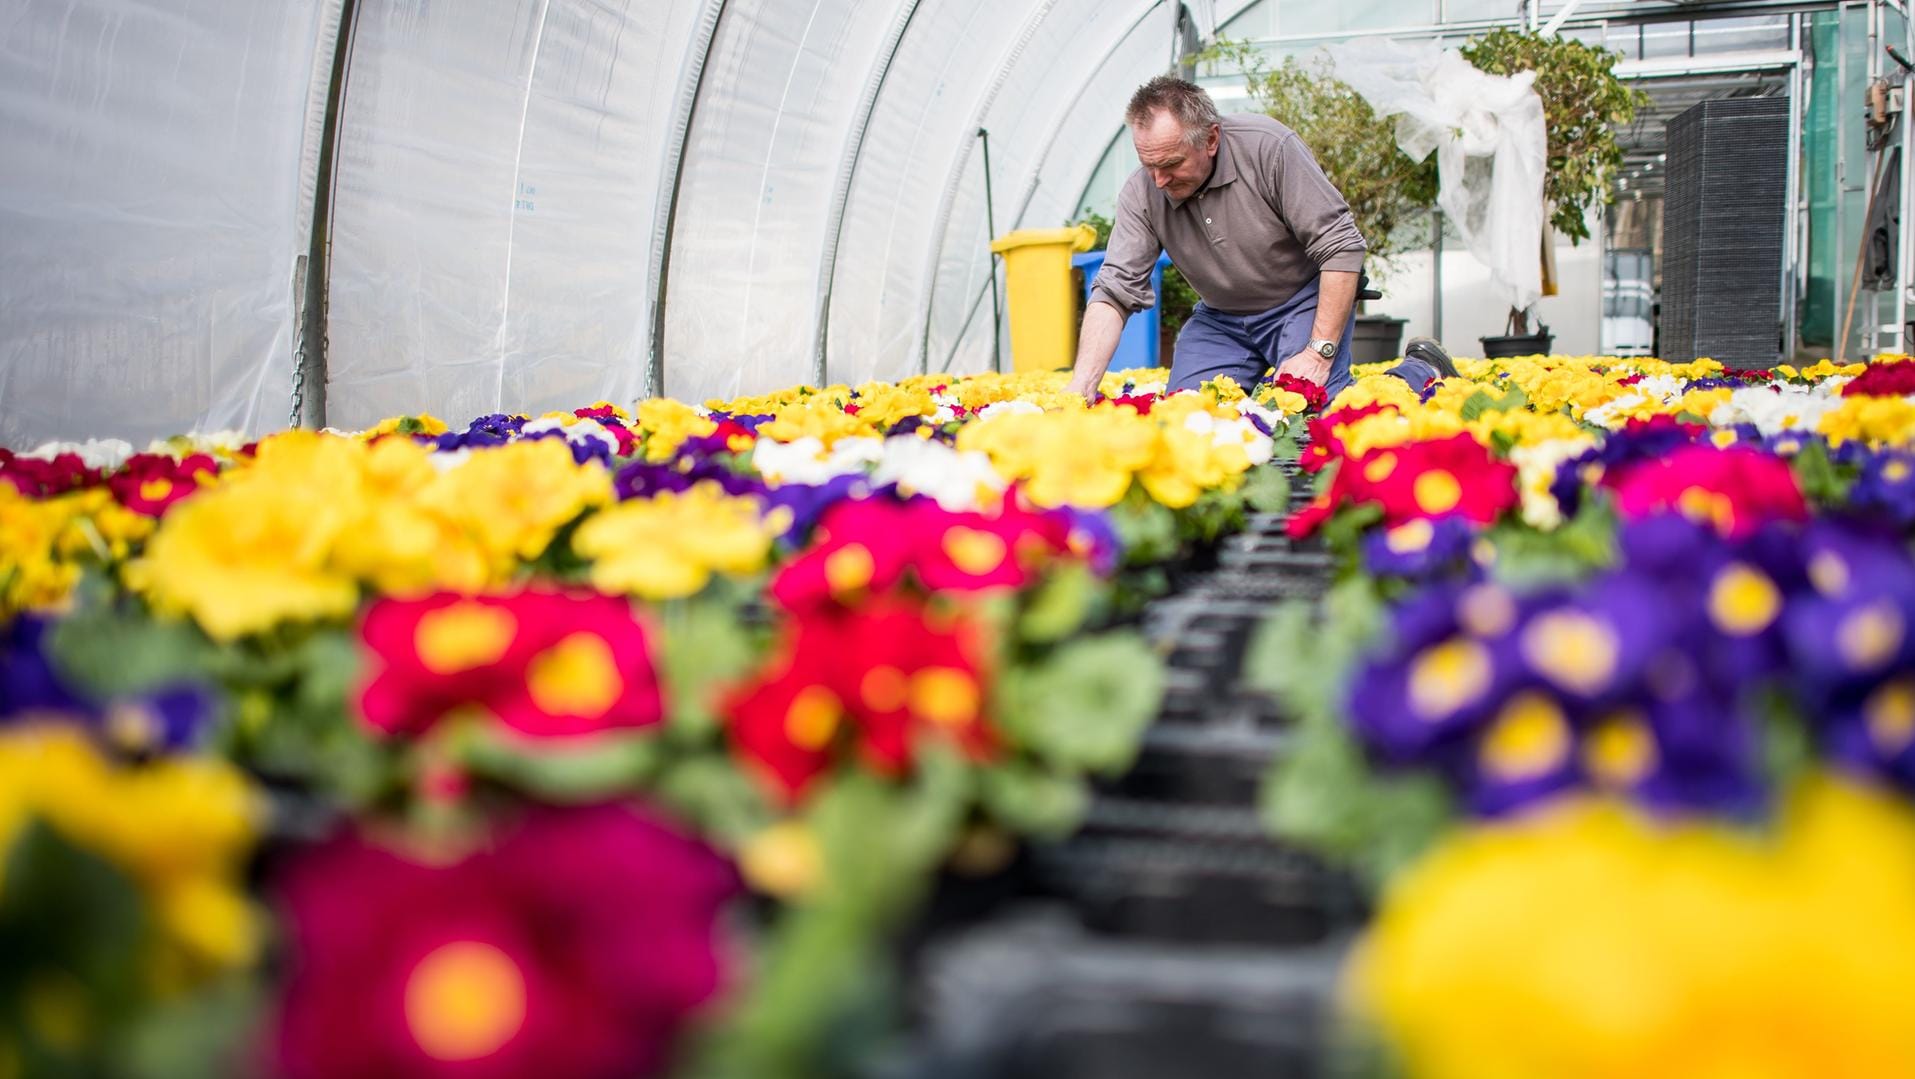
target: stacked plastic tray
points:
(1724, 217)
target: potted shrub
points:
(1389, 195)
(1583, 101)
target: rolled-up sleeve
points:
(1124, 282)
(1314, 209)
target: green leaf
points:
(1147, 528)
(111, 652)
(715, 796)
(1032, 801)
(703, 648)
(1085, 706)
(1267, 489)
(1822, 482)
(555, 771)
(1323, 793)
(1060, 604)
(1476, 404)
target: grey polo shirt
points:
(1263, 226)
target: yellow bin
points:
(1043, 300)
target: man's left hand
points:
(1307, 364)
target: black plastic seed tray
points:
(1035, 997)
(1217, 764)
(1190, 877)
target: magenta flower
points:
(574, 947)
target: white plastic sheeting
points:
(499, 164)
(510, 177)
(155, 199)
(1490, 143)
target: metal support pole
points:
(1436, 276)
(308, 406)
(990, 225)
(1792, 186)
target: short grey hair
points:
(1185, 100)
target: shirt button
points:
(1206, 221)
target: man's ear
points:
(1210, 144)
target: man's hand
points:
(1308, 365)
(1085, 388)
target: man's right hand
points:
(1096, 344)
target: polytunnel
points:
(232, 216)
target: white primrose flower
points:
(1001, 408)
(103, 453)
(1536, 466)
(576, 430)
(956, 480)
(806, 460)
(1774, 410)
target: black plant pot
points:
(1522, 344)
(1377, 339)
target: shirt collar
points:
(1222, 171)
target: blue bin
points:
(1138, 347)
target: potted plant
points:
(1583, 101)
(1389, 194)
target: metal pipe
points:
(674, 171)
(990, 228)
(308, 405)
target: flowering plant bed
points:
(612, 740)
(1620, 669)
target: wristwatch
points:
(1325, 348)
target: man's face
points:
(1176, 167)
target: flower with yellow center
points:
(1620, 752)
(1447, 677)
(1573, 649)
(464, 1001)
(784, 860)
(1592, 942)
(670, 545)
(180, 828)
(665, 424)
(1743, 601)
(513, 499)
(1874, 421)
(256, 550)
(1528, 739)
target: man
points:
(1255, 227)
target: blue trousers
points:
(1244, 347)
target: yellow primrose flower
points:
(1374, 389)
(821, 417)
(1875, 421)
(1825, 368)
(665, 424)
(670, 544)
(1591, 942)
(1079, 458)
(255, 550)
(513, 499)
(407, 544)
(1187, 463)
(880, 404)
(425, 423)
(33, 577)
(179, 828)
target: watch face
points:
(1327, 350)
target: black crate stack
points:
(1724, 218)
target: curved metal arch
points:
(674, 166)
(847, 172)
(1064, 116)
(942, 220)
(1050, 142)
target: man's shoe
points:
(1427, 350)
